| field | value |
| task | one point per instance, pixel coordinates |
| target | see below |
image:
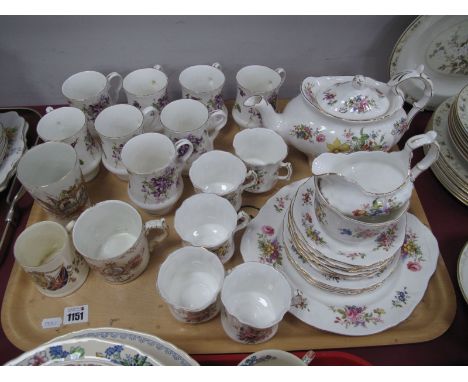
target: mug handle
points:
(69, 226)
(288, 167)
(159, 225)
(114, 91)
(249, 183)
(216, 121)
(413, 143)
(159, 67)
(49, 109)
(150, 115)
(282, 74)
(217, 65)
(243, 219)
(178, 146)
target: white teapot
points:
(344, 114)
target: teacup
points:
(222, 173)
(50, 172)
(263, 151)
(147, 87)
(44, 251)
(209, 221)
(255, 298)
(272, 357)
(116, 125)
(189, 119)
(112, 238)
(68, 125)
(190, 280)
(255, 80)
(92, 92)
(204, 83)
(154, 168)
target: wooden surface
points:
(137, 305)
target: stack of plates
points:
(105, 347)
(15, 129)
(451, 169)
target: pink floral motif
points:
(355, 316)
(268, 230)
(414, 266)
(386, 239)
(281, 203)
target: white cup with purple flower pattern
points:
(209, 221)
(154, 168)
(263, 151)
(92, 92)
(190, 280)
(68, 125)
(222, 173)
(204, 83)
(147, 87)
(116, 125)
(255, 298)
(190, 119)
(256, 80)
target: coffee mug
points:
(68, 125)
(263, 152)
(209, 221)
(92, 92)
(147, 87)
(45, 253)
(255, 80)
(116, 125)
(112, 238)
(50, 172)
(154, 167)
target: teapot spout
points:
(270, 118)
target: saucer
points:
(363, 314)
(462, 272)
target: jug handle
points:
(422, 140)
(115, 80)
(418, 73)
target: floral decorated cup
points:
(222, 173)
(116, 126)
(68, 125)
(204, 83)
(189, 119)
(260, 81)
(209, 221)
(45, 253)
(255, 298)
(147, 87)
(263, 151)
(112, 238)
(50, 172)
(190, 280)
(92, 92)
(272, 357)
(154, 168)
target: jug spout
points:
(270, 118)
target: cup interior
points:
(107, 230)
(217, 172)
(258, 79)
(205, 220)
(272, 357)
(190, 278)
(46, 164)
(256, 294)
(147, 153)
(60, 124)
(201, 78)
(260, 146)
(143, 82)
(40, 243)
(84, 85)
(184, 115)
(118, 121)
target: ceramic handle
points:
(217, 65)
(415, 74)
(115, 80)
(252, 182)
(216, 122)
(243, 219)
(159, 67)
(49, 109)
(150, 115)
(288, 167)
(156, 225)
(186, 154)
(423, 140)
(282, 74)
(69, 226)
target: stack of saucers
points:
(458, 123)
(3, 143)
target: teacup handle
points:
(288, 167)
(422, 140)
(216, 122)
(243, 219)
(150, 114)
(49, 109)
(69, 226)
(179, 144)
(249, 183)
(159, 67)
(115, 80)
(282, 74)
(217, 65)
(156, 225)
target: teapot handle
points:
(422, 140)
(418, 73)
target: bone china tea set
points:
(341, 234)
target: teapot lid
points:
(355, 98)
